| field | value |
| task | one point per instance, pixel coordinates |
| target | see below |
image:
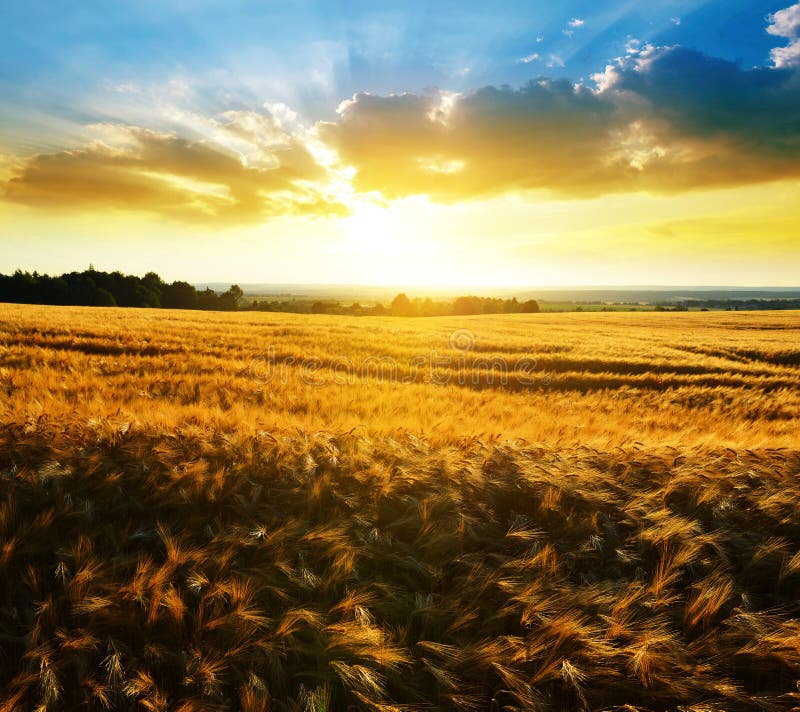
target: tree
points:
(54, 290)
(530, 307)
(179, 295)
(153, 286)
(207, 299)
(467, 305)
(229, 301)
(103, 298)
(401, 305)
(82, 289)
(153, 282)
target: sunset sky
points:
(404, 143)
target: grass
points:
(618, 529)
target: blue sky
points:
(61, 63)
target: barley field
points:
(205, 511)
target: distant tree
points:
(54, 290)
(153, 286)
(153, 282)
(401, 305)
(21, 287)
(467, 305)
(179, 295)
(82, 289)
(93, 287)
(103, 298)
(207, 299)
(229, 301)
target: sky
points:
(403, 143)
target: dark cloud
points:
(701, 96)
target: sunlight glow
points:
(397, 243)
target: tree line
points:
(113, 289)
(402, 305)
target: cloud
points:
(633, 46)
(491, 141)
(788, 56)
(786, 23)
(131, 168)
(572, 25)
(691, 97)
(661, 120)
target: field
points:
(247, 511)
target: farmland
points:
(605, 380)
(259, 511)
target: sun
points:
(372, 231)
(407, 242)
(389, 243)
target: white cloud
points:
(555, 61)
(788, 56)
(530, 58)
(283, 114)
(572, 25)
(633, 45)
(540, 39)
(786, 22)
(605, 79)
